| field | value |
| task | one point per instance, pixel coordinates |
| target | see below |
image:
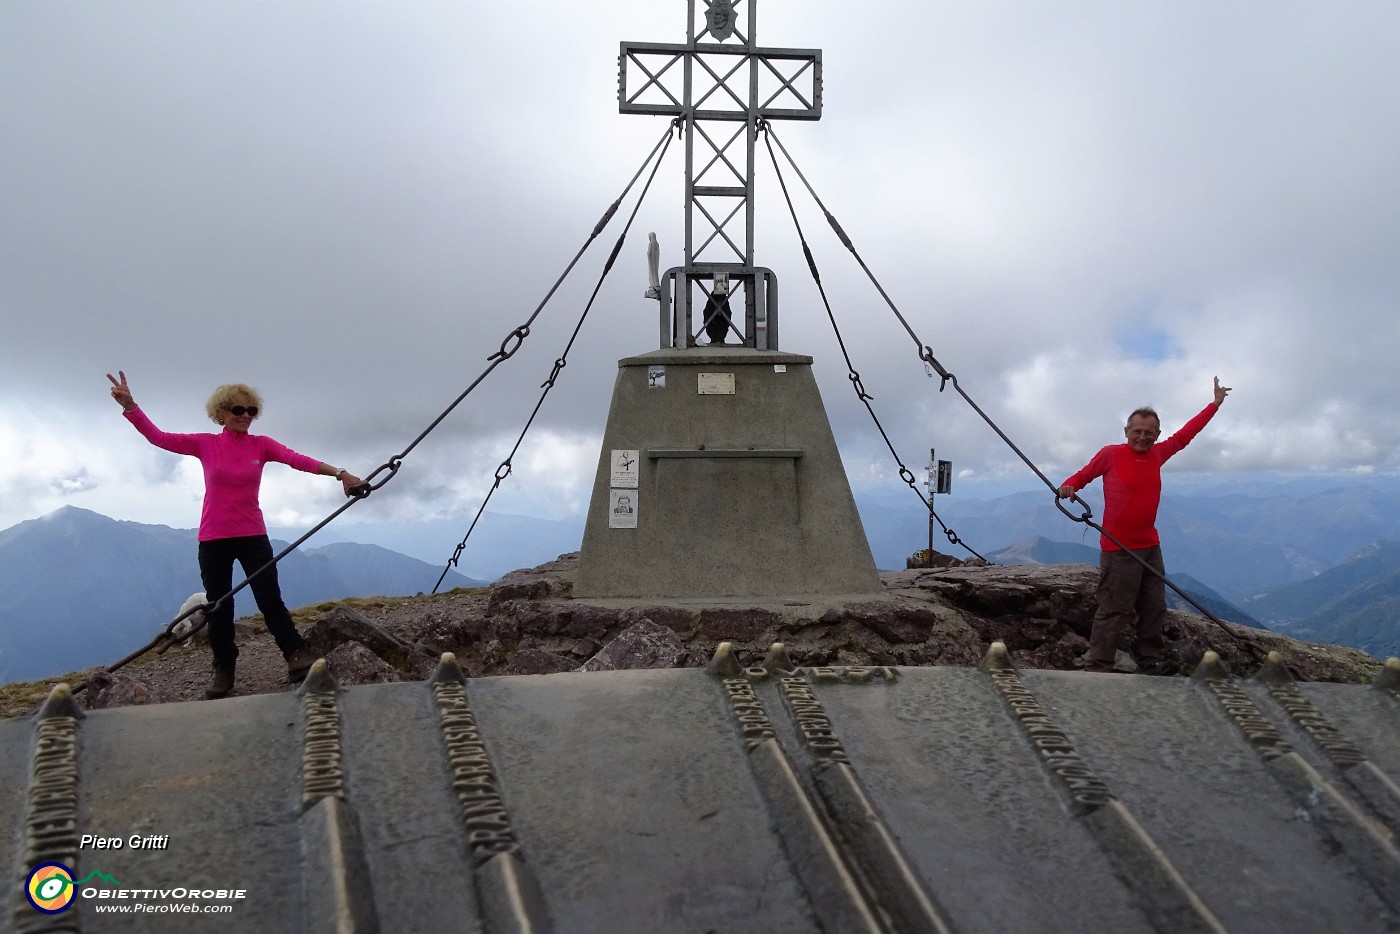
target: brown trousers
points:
(1128, 593)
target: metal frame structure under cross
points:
(725, 79)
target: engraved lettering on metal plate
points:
(322, 773)
(51, 821)
(1341, 751)
(1086, 791)
(812, 722)
(754, 725)
(473, 779)
(1257, 729)
(854, 674)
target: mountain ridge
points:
(1042, 551)
(78, 588)
(1206, 537)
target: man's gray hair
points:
(1145, 411)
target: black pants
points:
(216, 559)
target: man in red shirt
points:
(1132, 490)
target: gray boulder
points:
(108, 689)
(642, 645)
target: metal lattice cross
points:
(721, 84)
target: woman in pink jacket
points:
(231, 526)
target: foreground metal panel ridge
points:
(731, 799)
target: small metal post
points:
(939, 480)
(932, 484)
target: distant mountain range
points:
(1241, 542)
(1356, 603)
(1321, 564)
(78, 589)
(499, 544)
(1040, 550)
(1314, 562)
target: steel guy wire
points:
(905, 473)
(512, 342)
(926, 355)
(504, 469)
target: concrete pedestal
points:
(719, 476)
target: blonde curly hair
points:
(231, 394)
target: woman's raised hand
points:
(122, 392)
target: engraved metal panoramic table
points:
(767, 799)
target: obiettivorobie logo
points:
(51, 889)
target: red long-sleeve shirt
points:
(233, 464)
(1132, 484)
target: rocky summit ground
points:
(529, 623)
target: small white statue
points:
(653, 267)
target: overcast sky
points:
(1081, 206)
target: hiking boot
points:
(1161, 667)
(298, 663)
(221, 684)
(1122, 662)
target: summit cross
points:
(722, 86)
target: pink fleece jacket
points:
(233, 464)
(1132, 484)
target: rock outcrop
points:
(529, 623)
(114, 689)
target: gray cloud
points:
(350, 206)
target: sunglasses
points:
(250, 410)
